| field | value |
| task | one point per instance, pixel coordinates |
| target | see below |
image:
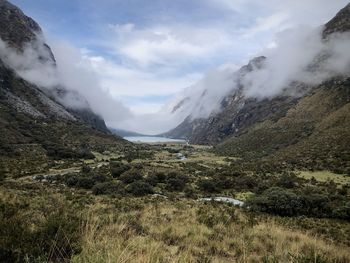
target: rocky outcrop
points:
(339, 24)
(17, 29)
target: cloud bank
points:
(70, 71)
(298, 55)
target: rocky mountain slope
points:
(303, 124)
(34, 125)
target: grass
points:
(185, 231)
(175, 229)
(105, 156)
(324, 176)
(243, 195)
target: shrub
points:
(85, 169)
(118, 168)
(130, 177)
(288, 180)
(343, 212)
(244, 182)
(85, 181)
(277, 201)
(108, 188)
(176, 182)
(2, 172)
(156, 178)
(209, 186)
(308, 201)
(140, 188)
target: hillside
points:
(125, 133)
(305, 124)
(34, 125)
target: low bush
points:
(209, 186)
(85, 181)
(139, 188)
(130, 177)
(176, 182)
(108, 188)
(277, 201)
(308, 201)
(118, 168)
(156, 178)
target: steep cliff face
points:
(303, 122)
(34, 125)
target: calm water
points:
(149, 139)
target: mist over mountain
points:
(43, 113)
(300, 55)
(292, 104)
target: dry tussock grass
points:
(185, 231)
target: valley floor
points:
(142, 205)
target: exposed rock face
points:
(308, 126)
(17, 29)
(340, 23)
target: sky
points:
(144, 52)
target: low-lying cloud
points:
(297, 55)
(70, 70)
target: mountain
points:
(125, 133)
(304, 124)
(35, 125)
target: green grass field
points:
(323, 176)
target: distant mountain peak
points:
(19, 30)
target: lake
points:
(151, 139)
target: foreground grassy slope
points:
(82, 228)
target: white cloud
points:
(274, 16)
(71, 72)
(122, 81)
(292, 61)
(169, 45)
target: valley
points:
(254, 168)
(144, 205)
